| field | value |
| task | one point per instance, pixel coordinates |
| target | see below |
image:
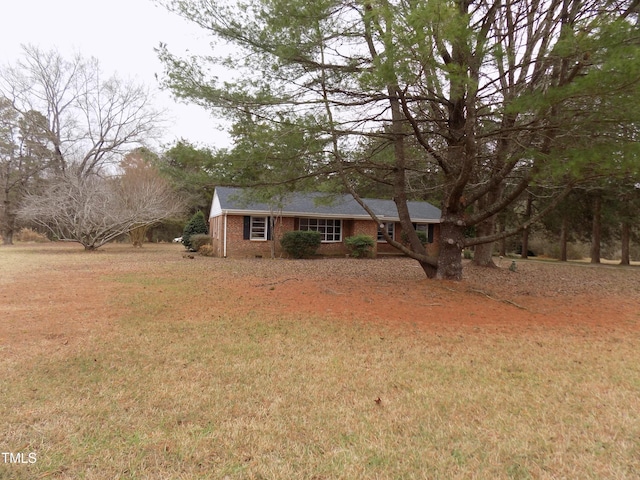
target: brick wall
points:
(238, 247)
(432, 248)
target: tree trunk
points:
(429, 270)
(7, 236)
(596, 229)
(525, 233)
(525, 244)
(563, 238)
(483, 253)
(451, 244)
(503, 241)
(625, 236)
(7, 223)
(138, 235)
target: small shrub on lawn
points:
(199, 240)
(301, 244)
(206, 250)
(360, 246)
(29, 235)
(196, 225)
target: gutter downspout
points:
(224, 237)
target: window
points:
(427, 228)
(259, 227)
(330, 229)
(390, 228)
(256, 228)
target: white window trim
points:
(392, 234)
(266, 229)
(335, 221)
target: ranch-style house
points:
(241, 227)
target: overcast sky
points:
(122, 35)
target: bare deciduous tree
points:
(61, 117)
(91, 121)
(139, 181)
(93, 210)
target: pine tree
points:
(196, 225)
(473, 103)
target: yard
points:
(146, 364)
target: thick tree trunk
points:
(596, 229)
(625, 238)
(138, 235)
(429, 270)
(563, 238)
(483, 254)
(7, 237)
(525, 244)
(451, 244)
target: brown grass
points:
(146, 365)
(29, 235)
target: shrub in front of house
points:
(196, 225)
(199, 240)
(360, 246)
(422, 236)
(206, 250)
(301, 244)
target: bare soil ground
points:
(60, 294)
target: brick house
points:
(240, 227)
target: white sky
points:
(122, 35)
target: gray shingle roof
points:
(236, 201)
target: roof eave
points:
(232, 211)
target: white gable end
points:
(216, 208)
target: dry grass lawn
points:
(142, 364)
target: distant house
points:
(241, 227)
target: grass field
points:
(126, 364)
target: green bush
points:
(360, 245)
(199, 240)
(301, 244)
(422, 236)
(196, 225)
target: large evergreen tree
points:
(480, 100)
(196, 225)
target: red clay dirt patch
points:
(55, 295)
(537, 296)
